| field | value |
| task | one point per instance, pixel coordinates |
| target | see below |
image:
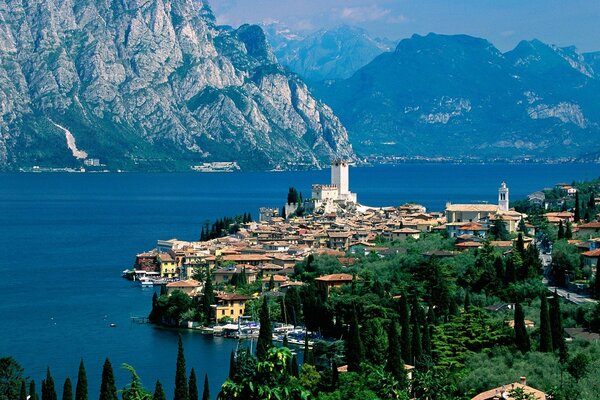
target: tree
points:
(355, 352)
(405, 329)
(520, 244)
(579, 366)
(522, 227)
(416, 343)
(597, 285)
(23, 391)
(395, 364)
(108, 389)
(558, 342)
(308, 354)
(271, 283)
(498, 229)
(375, 341)
(467, 301)
(231, 374)
(81, 389)
(295, 371)
(181, 384)
(545, 330)
(206, 390)
(568, 231)
(159, 393)
(11, 376)
(208, 297)
(521, 335)
(135, 390)
(193, 386)
(32, 393)
(561, 231)
(265, 334)
(67, 390)
(577, 213)
(49, 391)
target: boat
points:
(145, 282)
(113, 325)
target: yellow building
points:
(168, 266)
(230, 305)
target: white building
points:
(339, 189)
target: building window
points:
(231, 312)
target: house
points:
(503, 392)
(590, 258)
(191, 287)
(327, 282)
(225, 274)
(588, 230)
(473, 229)
(167, 265)
(146, 262)
(405, 233)
(339, 240)
(278, 281)
(230, 305)
(251, 258)
(469, 212)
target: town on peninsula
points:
(345, 283)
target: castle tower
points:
(503, 197)
(339, 176)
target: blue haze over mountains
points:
(455, 95)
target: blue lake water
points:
(66, 238)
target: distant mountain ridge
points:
(459, 96)
(335, 53)
(151, 85)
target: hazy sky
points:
(503, 22)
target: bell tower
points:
(503, 197)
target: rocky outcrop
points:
(151, 84)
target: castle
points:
(337, 192)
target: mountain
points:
(459, 96)
(593, 60)
(326, 54)
(151, 85)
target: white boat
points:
(145, 282)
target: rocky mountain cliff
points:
(335, 53)
(459, 96)
(150, 85)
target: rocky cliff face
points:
(150, 84)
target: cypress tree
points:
(295, 371)
(81, 389)
(545, 331)
(108, 390)
(426, 340)
(577, 213)
(416, 344)
(67, 390)
(193, 386)
(181, 384)
(561, 231)
(597, 284)
(159, 393)
(49, 391)
(499, 268)
(467, 301)
(355, 352)
(285, 341)
(558, 342)
(453, 310)
(208, 297)
(568, 231)
(308, 359)
(405, 330)
(32, 394)
(23, 391)
(394, 364)
(335, 374)
(510, 275)
(520, 244)
(206, 391)
(231, 366)
(521, 336)
(271, 283)
(265, 334)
